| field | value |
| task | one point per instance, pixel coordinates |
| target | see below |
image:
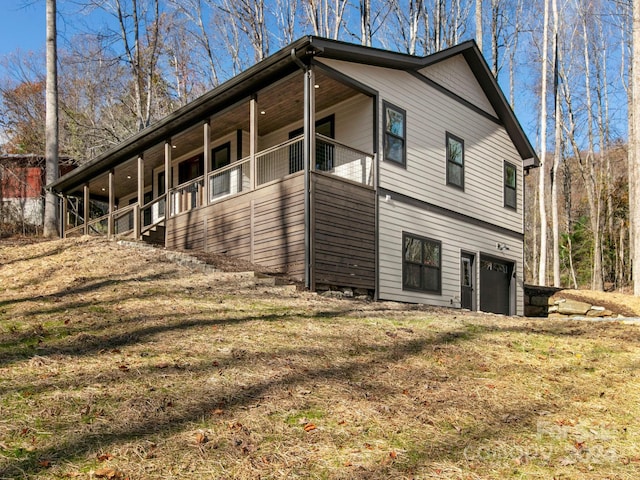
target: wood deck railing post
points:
(63, 221)
(207, 161)
(253, 140)
(112, 204)
(137, 221)
(167, 177)
(85, 209)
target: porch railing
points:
(229, 180)
(331, 157)
(124, 220)
(153, 213)
(186, 196)
(99, 226)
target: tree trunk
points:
(479, 23)
(542, 267)
(555, 227)
(635, 148)
(51, 205)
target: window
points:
(455, 161)
(421, 264)
(510, 185)
(324, 151)
(220, 183)
(395, 145)
(190, 169)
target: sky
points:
(22, 25)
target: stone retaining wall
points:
(549, 302)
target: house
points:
(22, 187)
(340, 164)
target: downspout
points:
(306, 154)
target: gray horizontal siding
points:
(430, 114)
(456, 236)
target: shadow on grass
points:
(67, 450)
(457, 446)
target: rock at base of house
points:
(599, 312)
(332, 294)
(347, 292)
(573, 307)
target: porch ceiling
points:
(282, 103)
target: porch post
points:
(112, 203)
(207, 160)
(137, 219)
(253, 139)
(85, 212)
(309, 158)
(167, 178)
(63, 222)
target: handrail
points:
(231, 166)
(155, 200)
(269, 150)
(69, 231)
(340, 144)
(187, 183)
(123, 211)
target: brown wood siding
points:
(271, 232)
(186, 231)
(278, 238)
(344, 233)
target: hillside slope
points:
(118, 363)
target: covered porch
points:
(202, 186)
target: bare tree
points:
(555, 227)
(50, 227)
(326, 16)
(542, 267)
(635, 146)
(479, 23)
(250, 18)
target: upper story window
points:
(395, 134)
(421, 264)
(510, 185)
(455, 161)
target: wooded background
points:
(564, 66)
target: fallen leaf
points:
(201, 438)
(45, 463)
(104, 457)
(109, 473)
(124, 368)
(393, 455)
(218, 411)
(309, 427)
(491, 386)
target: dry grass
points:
(115, 363)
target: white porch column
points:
(86, 211)
(167, 178)
(137, 217)
(112, 203)
(253, 139)
(207, 161)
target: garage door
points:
(495, 285)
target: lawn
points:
(118, 363)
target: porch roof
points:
(283, 63)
